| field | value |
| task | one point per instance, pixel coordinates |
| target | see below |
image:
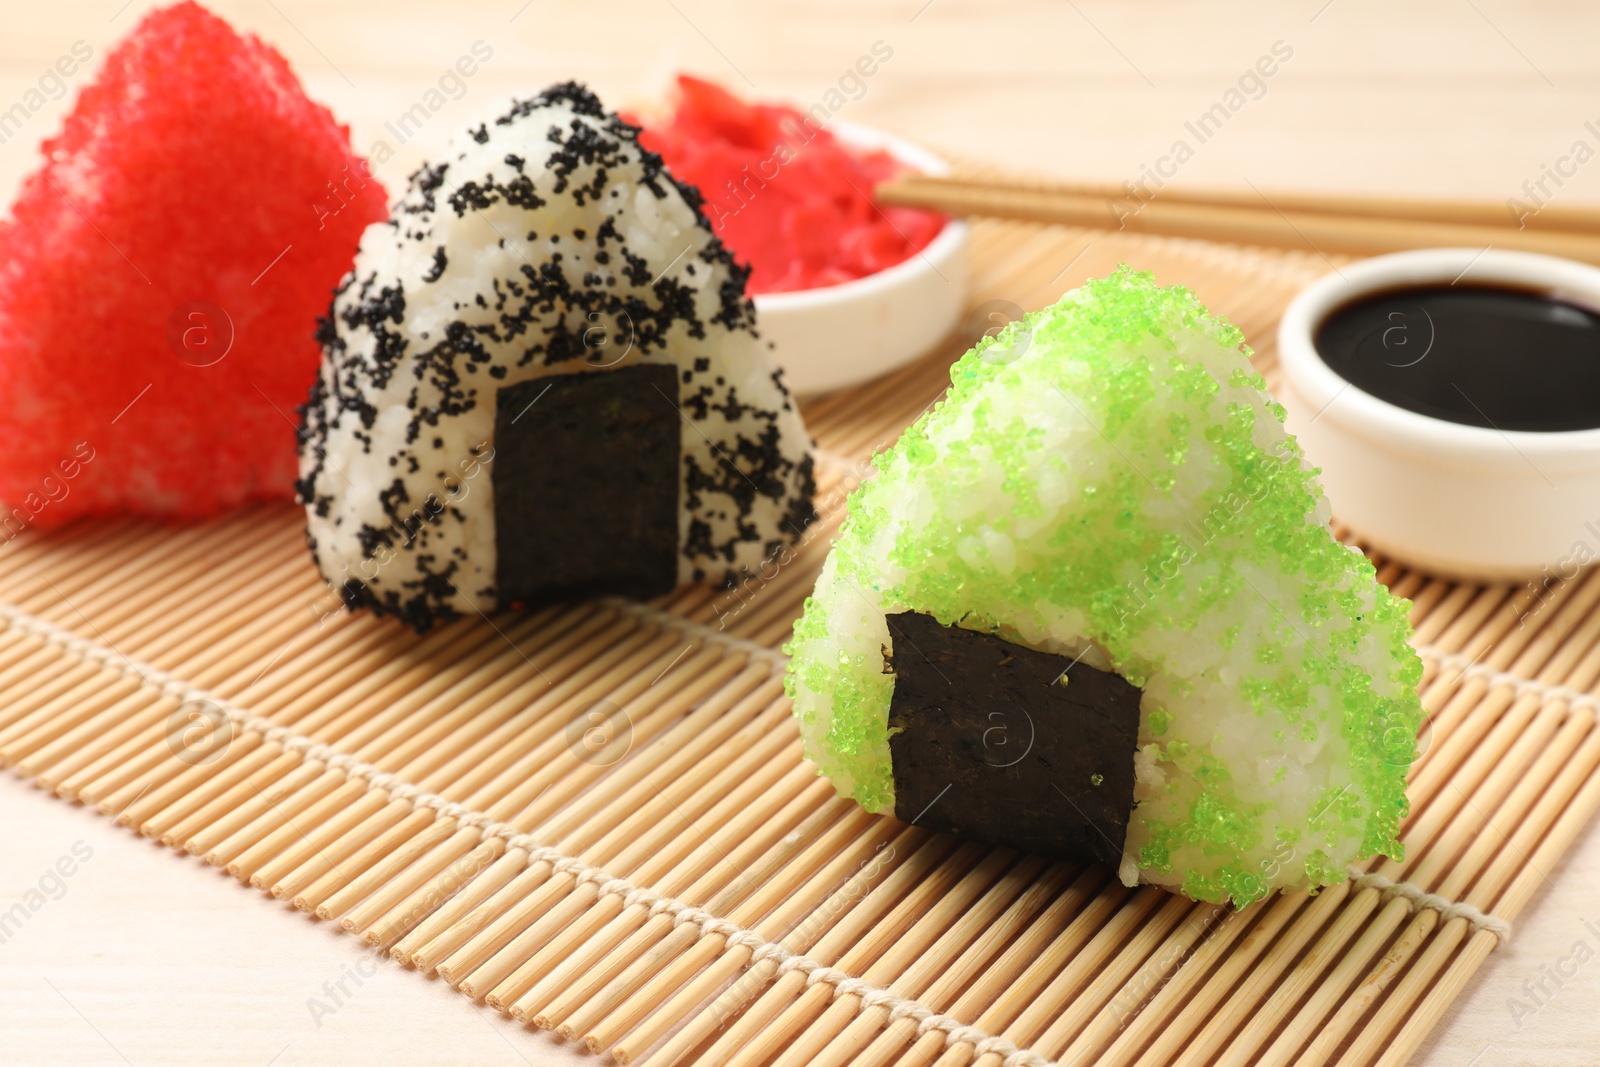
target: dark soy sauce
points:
(1504, 358)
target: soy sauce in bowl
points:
(1492, 356)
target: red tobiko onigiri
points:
(161, 276)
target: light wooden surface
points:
(154, 959)
(1440, 97)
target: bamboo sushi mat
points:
(597, 818)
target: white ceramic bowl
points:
(843, 334)
(1456, 500)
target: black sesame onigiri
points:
(542, 380)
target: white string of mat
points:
(1469, 669)
(1420, 898)
(689, 628)
(761, 949)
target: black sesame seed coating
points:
(549, 242)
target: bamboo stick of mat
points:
(1313, 225)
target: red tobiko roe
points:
(783, 193)
(161, 279)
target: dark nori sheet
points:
(587, 484)
(988, 744)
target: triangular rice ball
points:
(1090, 605)
(543, 381)
(161, 278)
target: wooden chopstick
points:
(1342, 224)
(1563, 217)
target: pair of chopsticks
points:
(1327, 224)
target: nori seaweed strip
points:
(586, 485)
(988, 743)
